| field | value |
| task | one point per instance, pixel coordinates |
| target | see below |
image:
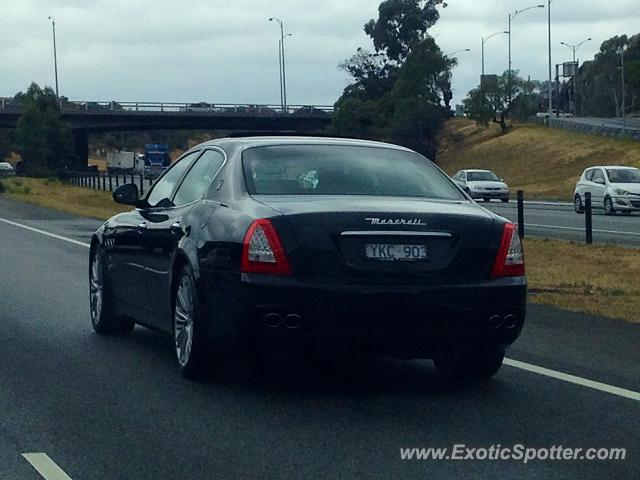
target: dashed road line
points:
(565, 377)
(46, 467)
(45, 233)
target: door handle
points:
(176, 228)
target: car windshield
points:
(344, 170)
(623, 175)
(482, 177)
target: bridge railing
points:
(203, 108)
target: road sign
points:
(569, 69)
(489, 83)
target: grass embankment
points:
(56, 195)
(608, 284)
(558, 273)
(545, 163)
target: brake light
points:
(510, 259)
(262, 250)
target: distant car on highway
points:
(482, 184)
(303, 240)
(556, 113)
(6, 169)
(613, 189)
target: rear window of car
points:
(344, 170)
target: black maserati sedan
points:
(303, 240)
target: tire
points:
(577, 205)
(470, 362)
(505, 200)
(190, 335)
(608, 206)
(102, 318)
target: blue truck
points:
(156, 159)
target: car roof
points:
(477, 171)
(612, 167)
(263, 141)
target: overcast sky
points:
(226, 51)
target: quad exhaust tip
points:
(292, 321)
(275, 320)
(509, 322)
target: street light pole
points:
(485, 40)
(283, 71)
(512, 16)
(55, 55)
(574, 48)
(624, 100)
(550, 62)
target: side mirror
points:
(599, 181)
(126, 194)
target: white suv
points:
(614, 189)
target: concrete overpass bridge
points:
(86, 117)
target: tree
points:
(402, 91)
(485, 105)
(401, 25)
(5, 143)
(42, 139)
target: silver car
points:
(482, 184)
(6, 169)
(614, 189)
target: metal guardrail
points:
(203, 108)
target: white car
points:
(482, 184)
(6, 169)
(614, 189)
(556, 113)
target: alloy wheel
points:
(96, 288)
(183, 321)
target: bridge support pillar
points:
(81, 145)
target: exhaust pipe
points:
(292, 321)
(510, 322)
(272, 320)
(495, 322)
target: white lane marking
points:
(48, 234)
(565, 377)
(45, 466)
(576, 229)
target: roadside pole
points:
(521, 214)
(588, 218)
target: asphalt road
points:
(559, 220)
(115, 408)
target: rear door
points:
(168, 226)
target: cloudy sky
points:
(226, 51)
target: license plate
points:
(390, 253)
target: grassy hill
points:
(545, 163)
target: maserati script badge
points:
(395, 221)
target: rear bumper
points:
(425, 317)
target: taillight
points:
(510, 259)
(262, 251)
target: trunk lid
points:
(329, 237)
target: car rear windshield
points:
(482, 177)
(344, 170)
(623, 175)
